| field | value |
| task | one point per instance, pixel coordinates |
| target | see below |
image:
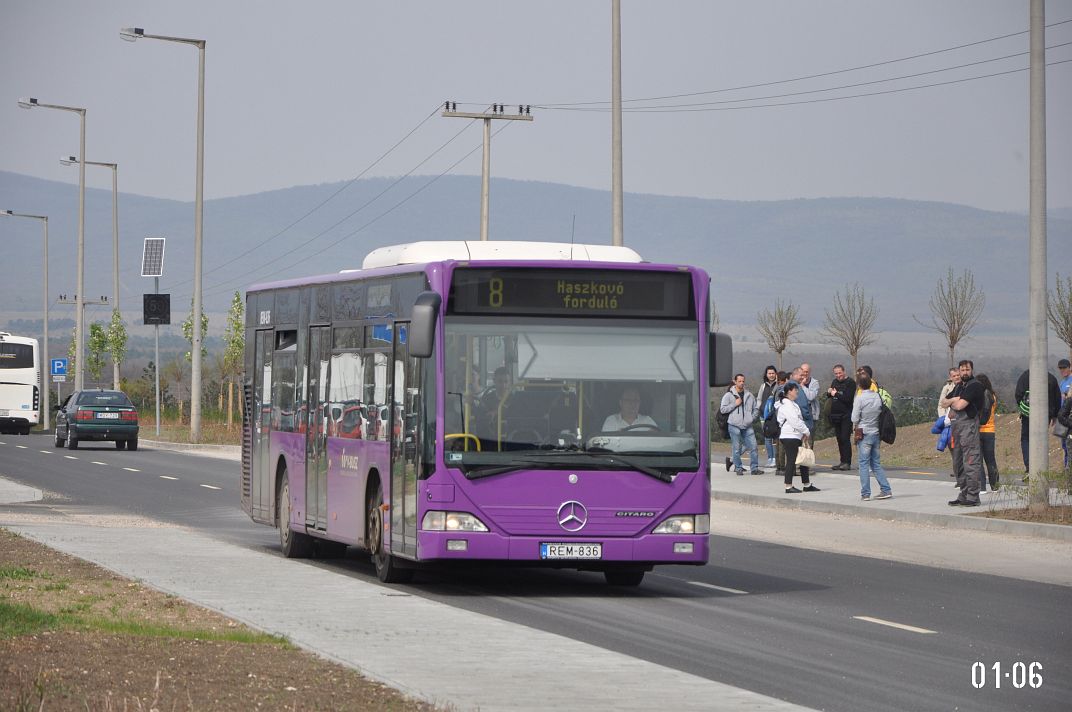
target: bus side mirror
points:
(720, 359)
(422, 327)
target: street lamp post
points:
(70, 161)
(45, 362)
(132, 34)
(32, 103)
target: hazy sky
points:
(312, 92)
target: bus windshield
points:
(535, 393)
(14, 356)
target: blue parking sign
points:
(59, 367)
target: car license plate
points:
(113, 416)
(571, 551)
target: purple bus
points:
(535, 404)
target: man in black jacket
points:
(1023, 403)
(842, 391)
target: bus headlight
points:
(452, 522)
(685, 524)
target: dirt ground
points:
(74, 636)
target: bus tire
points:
(623, 577)
(387, 567)
(132, 444)
(72, 441)
(295, 545)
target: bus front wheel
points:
(387, 568)
(295, 545)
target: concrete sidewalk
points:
(914, 500)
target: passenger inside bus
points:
(628, 416)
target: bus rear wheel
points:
(624, 577)
(295, 545)
(387, 567)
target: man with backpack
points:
(965, 403)
(1023, 404)
(742, 409)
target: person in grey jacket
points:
(742, 408)
(866, 408)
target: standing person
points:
(866, 408)
(794, 432)
(741, 406)
(766, 403)
(887, 399)
(810, 386)
(779, 450)
(943, 397)
(802, 400)
(964, 407)
(842, 392)
(1023, 403)
(950, 384)
(987, 436)
(1064, 385)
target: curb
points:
(221, 451)
(1058, 532)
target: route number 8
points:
(495, 292)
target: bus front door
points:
(404, 446)
(316, 455)
(260, 494)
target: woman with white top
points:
(794, 431)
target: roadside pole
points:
(1038, 450)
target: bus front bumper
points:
(648, 549)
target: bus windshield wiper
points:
(492, 470)
(608, 458)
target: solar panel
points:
(152, 257)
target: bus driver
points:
(628, 414)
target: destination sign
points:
(551, 292)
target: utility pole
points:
(1037, 436)
(617, 221)
(81, 305)
(450, 110)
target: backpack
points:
(723, 421)
(1025, 404)
(887, 425)
(771, 428)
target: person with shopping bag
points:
(794, 436)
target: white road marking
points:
(211, 487)
(21, 447)
(131, 469)
(718, 588)
(168, 477)
(70, 457)
(99, 463)
(47, 452)
(891, 624)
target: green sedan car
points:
(97, 415)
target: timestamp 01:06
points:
(1019, 675)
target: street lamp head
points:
(69, 161)
(130, 34)
(27, 102)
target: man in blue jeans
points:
(866, 408)
(742, 409)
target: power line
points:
(386, 212)
(320, 204)
(359, 209)
(833, 98)
(641, 109)
(801, 78)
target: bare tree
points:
(780, 326)
(955, 307)
(1059, 311)
(851, 321)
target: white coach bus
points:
(20, 379)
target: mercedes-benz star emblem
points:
(572, 516)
